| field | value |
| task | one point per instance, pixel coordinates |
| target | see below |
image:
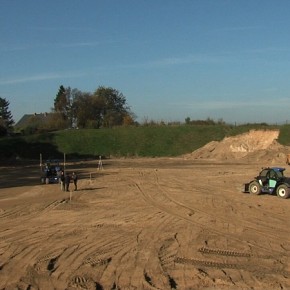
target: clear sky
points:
(171, 59)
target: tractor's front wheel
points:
(255, 188)
(283, 191)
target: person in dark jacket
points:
(67, 182)
(75, 180)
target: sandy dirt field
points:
(162, 223)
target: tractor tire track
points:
(177, 209)
(200, 215)
(140, 228)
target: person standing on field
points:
(75, 180)
(62, 180)
(67, 182)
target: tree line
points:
(104, 108)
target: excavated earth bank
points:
(254, 146)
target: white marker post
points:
(100, 165)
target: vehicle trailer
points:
(270, 180)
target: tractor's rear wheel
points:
(283, 191)
(255, 188)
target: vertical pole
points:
(40, 162)
(64, 161)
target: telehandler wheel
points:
(255, 188)
(283, 191)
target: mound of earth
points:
(255, 146)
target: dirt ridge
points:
(255, 145)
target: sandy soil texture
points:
(164, 223)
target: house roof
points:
(28, 119)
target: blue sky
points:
(171, 59)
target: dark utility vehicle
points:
(270, 180)
(50, 171)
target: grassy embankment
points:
(151, 141)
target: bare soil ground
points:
(164, 223)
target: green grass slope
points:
(150, 141)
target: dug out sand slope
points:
(160, 223)
(254, 146)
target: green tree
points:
(6, 119)
(60, 101)
(63, 104)
(83, 108)
(106, 107)
(113, 106)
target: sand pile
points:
(255, 145)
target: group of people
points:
(65, 180)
